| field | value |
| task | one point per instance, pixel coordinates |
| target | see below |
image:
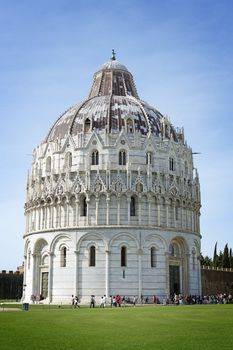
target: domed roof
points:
(113, 105)
(113, 64)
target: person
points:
(72, 300)
(76, 302)
(92, 304)
(104, 300)
(134, 300)
(101, 302)
(111, 300)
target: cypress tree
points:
(231, 258)
(215, 257)
(225, 258)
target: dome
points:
(113, 64)
(113, 105)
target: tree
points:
(215, 257)
(225, 258)
(231, 258)
(205, 261)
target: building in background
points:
(113, 200)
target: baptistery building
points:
(113, 200)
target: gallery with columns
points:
(113, 201)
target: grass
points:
(151, 327)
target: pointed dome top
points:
(113, 78)
(113, 63)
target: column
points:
(39, 217)
(149, 211)
(167, 287)
(140, 252)
(76, 275)
(52, 214)
(167, 213)
(107, 209)
(50, 279)
(96, 210)
(35, 289)
(139, 209)
(67, 213)
(128, 201)
(87, 201)
(77, 211)
(118, 209)
(174, 215)
(107, 273)
(159, 212)
(59, 213)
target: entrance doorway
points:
(44, 284)
(174, 275)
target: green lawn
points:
(149, 327)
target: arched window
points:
(174, 250)
(129, 126)
(84, 207)
(48, 164)
(122, 158)
(153, 256)
(68, 160)
(171, 164)
(123, 256)
(149, 158)
(87, 125)
(63, 257)
(132, 207)
(92, 256)
(95, 158)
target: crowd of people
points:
(177, 299)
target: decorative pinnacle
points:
(113, 58)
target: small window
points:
(153, 257)
(92, 256)
(149, 158)
(174, 250)
(123, 256)
(48, 164)
(63, 257)
(122, 158)
(132, 207)
(95, 158)
(129, 126)
(87, 125)
(84, 207)
(171, 164)
(68, 160)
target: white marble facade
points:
(113, 201)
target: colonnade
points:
(153, 211)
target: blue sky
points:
(180, 53)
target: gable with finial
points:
(139, 185)
(78, 185)
(118, 185)
(98, 184)
(158, 186)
